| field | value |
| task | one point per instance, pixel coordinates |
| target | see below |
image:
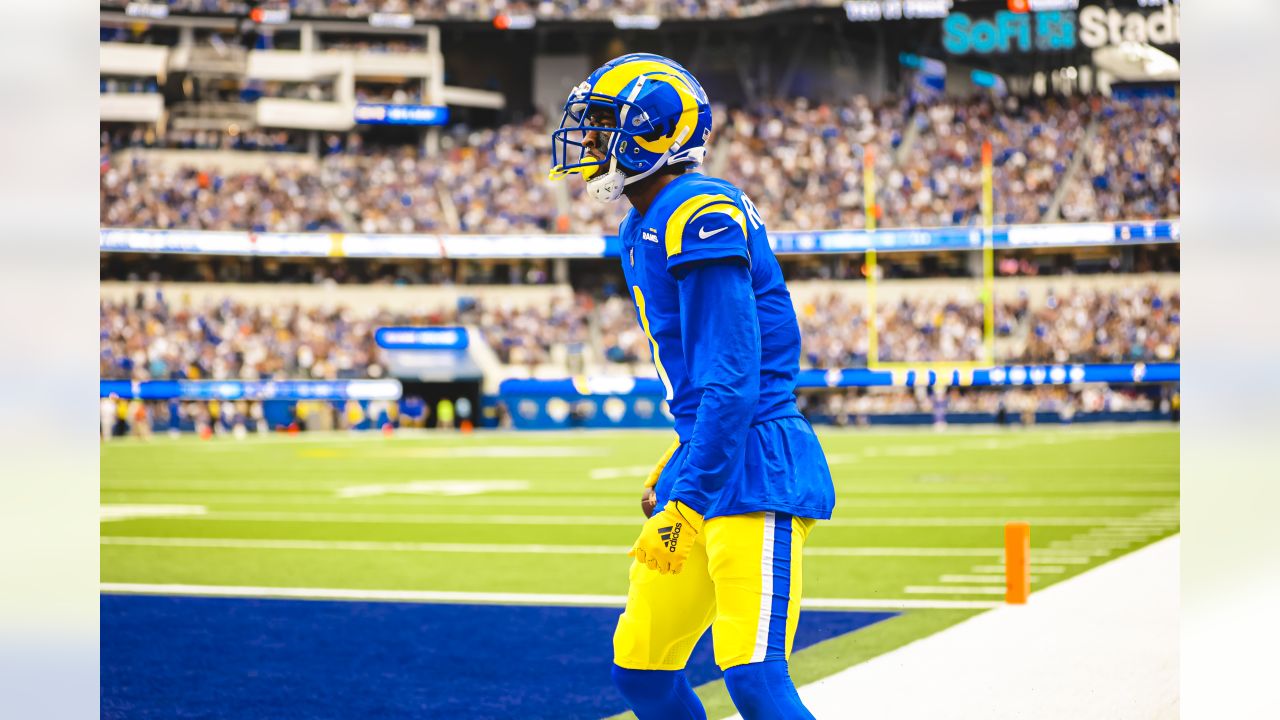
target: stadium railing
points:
(200, 242)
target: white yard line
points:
(903, 604)
(442, 488)
(986, 579)
(535, 497)
(1164, 491)
(639, 472)
(953, 590)
(326, 498)
(498, 548)
(636, 520)
(493, 597)
(273, 490)
(364, 546)
(903, 552)
(121, 512)
(1103, 644)
(999, 569)
(1084, 501)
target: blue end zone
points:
(189, 657)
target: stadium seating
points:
(800, 162)
(251, 337)
(487, 9)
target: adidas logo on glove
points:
(670, 536)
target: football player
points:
(739, 492)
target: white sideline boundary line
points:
(244, 591)
(498, 548)
(1103, 644)
(362, 546)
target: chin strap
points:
(608, 186)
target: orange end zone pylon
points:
(1017, 562)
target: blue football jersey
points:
(777, 465)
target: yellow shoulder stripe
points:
(732, 211)
(685, 213)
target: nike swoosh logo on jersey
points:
(702, 232)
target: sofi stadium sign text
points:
(1099, 27)
(1025, 30)
(1009, 32)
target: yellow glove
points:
(667, 538)
(657, 470)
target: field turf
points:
(512, 517)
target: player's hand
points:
(667, 538)
(648, 501)
(649, 498)
(656, 472)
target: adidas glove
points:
(667, 538)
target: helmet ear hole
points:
(664, 129)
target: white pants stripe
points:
(766, 590)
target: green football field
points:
(514, 517)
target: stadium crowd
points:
(801, 162)
(1132, 168)
(153, 336)
(488, 9)
(156, 337)
(122, 137)
(1011, 405)
(939, 178)
(1134, 324)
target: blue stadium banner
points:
(583, 385)
(972, 238)
(252, 389)
(603, 401)
(421, 338)
(387, 114)
(1005, 375)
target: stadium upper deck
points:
(800, 161)
(487, 10)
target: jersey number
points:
(657, 358)
(752, 213)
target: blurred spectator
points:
(1131, 170)
(151, 337)
(855, 406)
(282, 199)
(834, 332)
(142, 137)
(1130, 325)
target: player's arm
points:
(721, 335)
(707, 254)
(722, 353)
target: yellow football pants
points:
(742, 579)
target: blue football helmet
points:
(661, 116)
